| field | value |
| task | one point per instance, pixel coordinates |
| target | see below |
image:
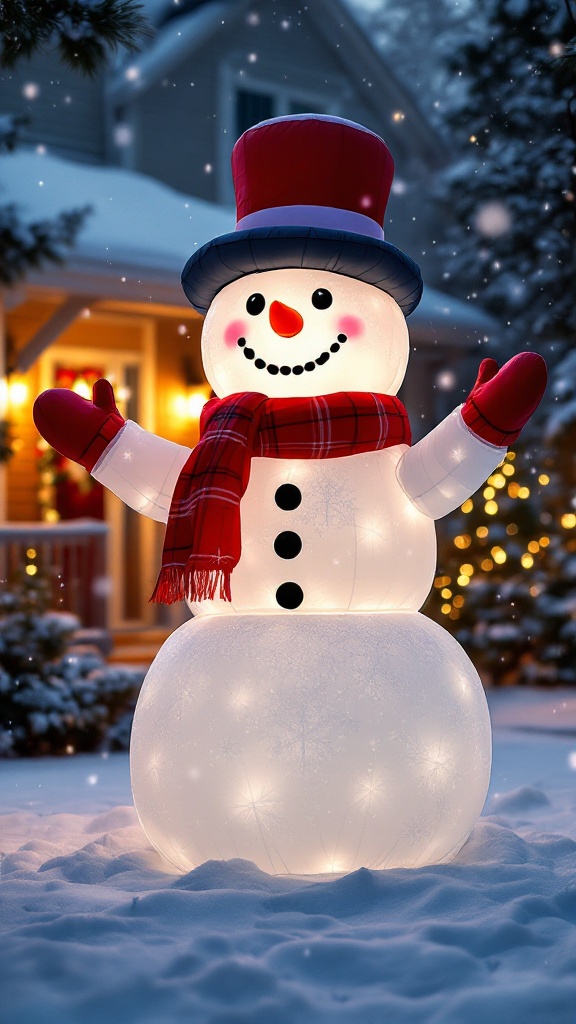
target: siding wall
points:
(67, 115)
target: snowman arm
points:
(443, 469)
(142, 469)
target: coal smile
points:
(260, 364)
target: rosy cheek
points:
(236, 329)
(351, 326)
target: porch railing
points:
(71, 556)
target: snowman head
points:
(306, 297)
(292, 332)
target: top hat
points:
(311, 192)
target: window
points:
(252, 107)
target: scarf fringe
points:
(180, 583)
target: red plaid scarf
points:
(202, 543)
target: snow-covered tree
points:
(55, 699)
(510, 244)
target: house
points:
(146, 145)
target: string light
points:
(498, 554)
(568, 520)
(467, 506)
(491, 508)
(527, 561)
(482, 532)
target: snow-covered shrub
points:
(53, 700)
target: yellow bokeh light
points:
(482, 532)
(466, 569)
(527, 561)
(488, 492)
(31, 553)
(499, 555)
(31, 570)
(446, 609)
(544, 542)
(534, 546)
(463, 581)
(510, 455)
(513, 489)
(442, 581)
(446, 592)
(467, 506)
(508, 470)
(524, 492)
(487, 565)
(498, 480)
(568, 520)
(491, 508)
(543, 479)
(463, 541)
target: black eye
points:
(322, 298)
(255, 304)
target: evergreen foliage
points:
(511, 243)
(501, 587)
(53, 699)
(511, 248)
(84, 31)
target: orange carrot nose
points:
(284, 320)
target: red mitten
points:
(78, 429)
(502, 401)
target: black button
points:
(289, 595)
(288, 497)
(287, 544)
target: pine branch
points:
(25, 246)
(84, 32)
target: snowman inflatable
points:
(308, 717)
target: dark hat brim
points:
(229, 257)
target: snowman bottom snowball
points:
(362, 740)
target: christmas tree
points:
(507, 569)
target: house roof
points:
(137, 236)
(140, 233)
(180, 35)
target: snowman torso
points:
(330, 535)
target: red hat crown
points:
(313, 170)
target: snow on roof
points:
(140, 233)
(137, 228)
(171, 44)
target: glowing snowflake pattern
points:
(331, 506)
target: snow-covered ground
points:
(95, 929)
